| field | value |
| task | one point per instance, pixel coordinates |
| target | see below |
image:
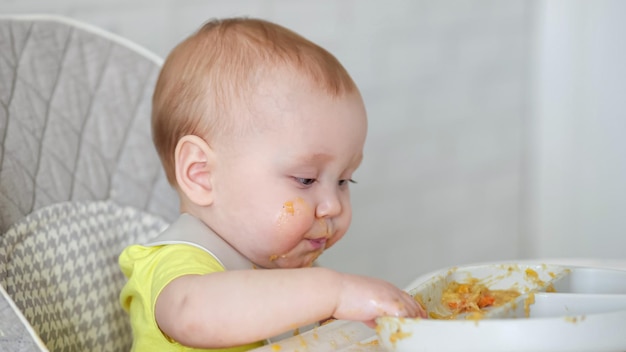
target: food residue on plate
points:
(398, 335)
(574, 319)
(471, 298)
(369, 343)
(530, 300)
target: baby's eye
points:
(305, 181)
(344, 182)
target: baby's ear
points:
(194, 161)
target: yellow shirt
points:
(149, 270)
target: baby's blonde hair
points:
(214, 70)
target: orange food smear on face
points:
(289, 209)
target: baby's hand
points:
(365, 299)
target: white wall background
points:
(495, 126)
(578, 148)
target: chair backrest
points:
(75, 119)
(79, 176)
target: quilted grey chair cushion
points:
(78, 175)
(59, 264)
(75, 119)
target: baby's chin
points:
(292, 261)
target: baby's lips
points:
(318, 243)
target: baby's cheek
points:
(294, 219)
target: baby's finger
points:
(370, 323)
(421, 312)
(414, 308)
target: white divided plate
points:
(587, 312)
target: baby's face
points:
(281, 193)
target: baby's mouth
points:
(318, 243)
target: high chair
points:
(79, 176)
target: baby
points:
(260, 131)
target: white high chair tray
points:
(562, 308)
(586, 313)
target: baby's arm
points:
(232, 308)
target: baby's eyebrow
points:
(318, 158)
(313, 158)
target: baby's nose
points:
(329, 206)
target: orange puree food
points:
(369, 343)
(471, 297)
(288, 206)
